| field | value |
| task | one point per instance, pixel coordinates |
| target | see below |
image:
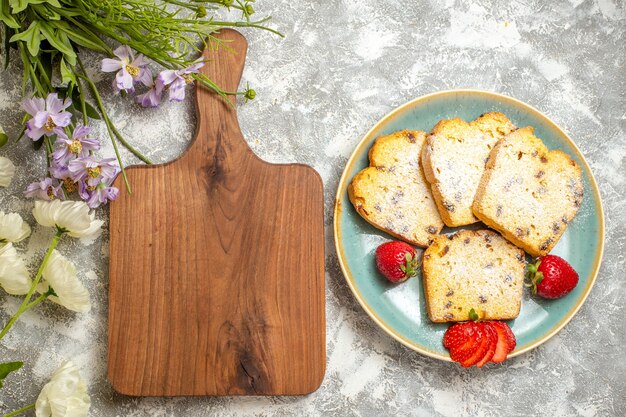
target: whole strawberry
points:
(396, 261)
(552, 277)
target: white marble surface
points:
(342, 66)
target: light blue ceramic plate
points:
(400, 309)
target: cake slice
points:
(473, 269)
(454, 160)
(528, 193)
(392, 193)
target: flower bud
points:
(250, 94)
(201, 12)
(249, 9)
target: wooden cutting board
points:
(217, 264)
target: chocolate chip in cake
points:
(378, 207)
(444, 251)
(431, 229)
(458, 197)
(508, 278)
(448, 305)
(499, 210)
(448, 316)
(564, 219)
(482, 299)
(556, 227)
(519, 232)
(534, 154)
(540, 174)
(448, 206)
(392, 169)
(467, 241)
(544, 160)
(487, 238)
(545, 244)
(411, 137)
(450, 293)
(520, 257)
(397, 196)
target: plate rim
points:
(338, 207)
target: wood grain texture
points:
(217, 265)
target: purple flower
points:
(92, 172)
(46, 189)
(78, 146)
(62, 173)
(152, 97)
(129, 69)
(49, 115)
(99, 194)
(178, 80)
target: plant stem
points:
(20, 411)
(83, 105)
(26, 304)
(108, 123)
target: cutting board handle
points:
(218, 128)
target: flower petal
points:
(40, 119)
(177, 90)
(110, 65)
(145, 77)
(124, 53)
(60, 274)
(168, 76)
(53, 103)
(7, 171)
(13, 228)
(124, 80)
(65, 395)
(34, 105)
(61, 119)
(14, 276)
(140, 61)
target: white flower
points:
(7, 170)
(13, 273)
(13, 228)
(60, 274)
(71, 216)
(65, 395)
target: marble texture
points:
(343, 65)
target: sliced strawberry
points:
(510, 338)
(493, 342)
(463, 353)
(502, 347)
(480, 350)
(459, 334)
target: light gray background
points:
(342, 66)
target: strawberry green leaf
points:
(473, 315)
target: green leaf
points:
(19, 5)
(8, 32)
(472, 315)
(7, 368)
(6, 16)
(59, 41)
(82, 39)
(31, 36)
(92, 113)
(47, 12)
(3, 138)
(67, 75)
